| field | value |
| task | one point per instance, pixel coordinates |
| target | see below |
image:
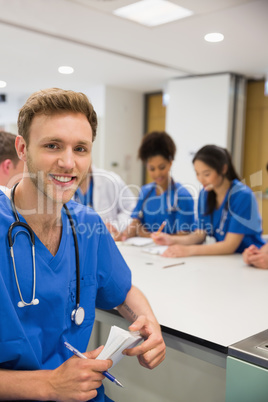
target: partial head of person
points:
(56, 129)
(214, 168)
(11, 167)
(157, 151)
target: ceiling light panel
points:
(214, 37)
(153, 12)
(65, 70)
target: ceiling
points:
(37, 36)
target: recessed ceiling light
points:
(214, 37)
(3, 84)
(65, 70)
(152, 12)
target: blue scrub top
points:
(242, 216)
(32, 338)
(156, 209)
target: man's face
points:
(58, 155)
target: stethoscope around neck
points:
(170, 208)
(224, 214)
(78, 314)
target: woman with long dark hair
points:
(227, 210)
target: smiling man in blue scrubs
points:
(39, 294)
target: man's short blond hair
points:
(55, 101)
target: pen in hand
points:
(105, 373)
(161, 227)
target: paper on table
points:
(158, 250)
(118, 340)
(138, 241)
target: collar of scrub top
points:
(86, 199)
(170, 208)
(224, 214)
(78, 314)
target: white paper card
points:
(118, 340)
(157, 250)
(138, 241)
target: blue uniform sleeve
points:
(185, 209)
(113, 274)
(243, 210)
(143, 196)
(102, 265)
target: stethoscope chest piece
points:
(78, 315)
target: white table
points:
(216, 298)
(203, 306)
(214, 301)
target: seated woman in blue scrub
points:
(49, 296)
(163, 200)
(227, 210)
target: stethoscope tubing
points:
(224, 214)
(170, 208)
(76, 255)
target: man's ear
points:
(20, 145)
(6, 165)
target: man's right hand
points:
(78, 379)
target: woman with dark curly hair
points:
(227, 210)
(163, 200)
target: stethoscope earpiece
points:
(34, 302)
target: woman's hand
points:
(259, 260)
(162, 238)
(177, 250)
(113, 231)
(248, 252)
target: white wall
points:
(9, 110)
(198, 113)
(123, 133)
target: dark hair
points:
(7, 147)
(157, 143)
(216, 157)
(53, 101)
